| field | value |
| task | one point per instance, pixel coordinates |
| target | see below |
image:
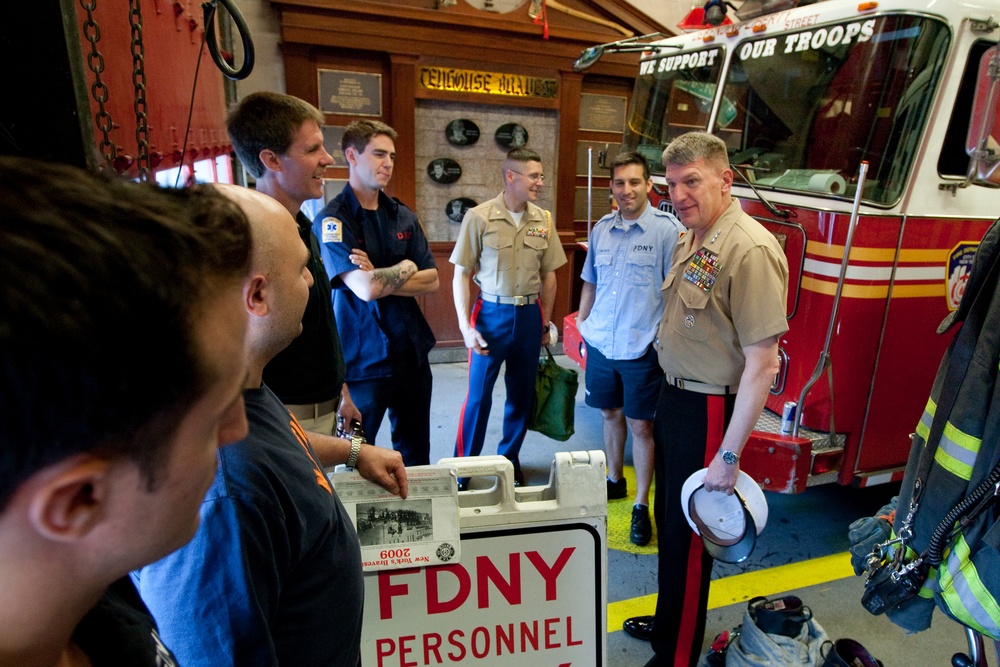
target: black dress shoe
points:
(642, 530)
(640, 627)
(518, 477)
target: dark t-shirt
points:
(273, 575)
(119, 631)
(311, 368)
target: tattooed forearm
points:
(391, 278)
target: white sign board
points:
(523, 595)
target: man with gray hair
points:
(513, 246)
(725, 303)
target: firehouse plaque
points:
(456, 208)
(602, 113)
(511, 135)
(350, 93)
(461, 132)
(444, 170)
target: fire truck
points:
(863, 136)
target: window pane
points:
(811, 105)
(673, 95)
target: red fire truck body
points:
(801, 98)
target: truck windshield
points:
(811, 105)
(673, 95)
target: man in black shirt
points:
(121, 370)
(279, 139)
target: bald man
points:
(276, 563)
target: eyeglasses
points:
(531, 177)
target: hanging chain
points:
(99, 91)
(139, 83)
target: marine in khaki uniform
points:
(725, 306)
(512, 246)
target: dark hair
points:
(695, 146)
(267, 121)
(360, 132)
(102, 283)
(629, 157)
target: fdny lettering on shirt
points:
(540, 232)
(642, 248)
(333, 230)
(703, 269)
(403, 236)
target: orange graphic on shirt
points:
(300, 435)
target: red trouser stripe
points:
(686, 651)
(460, 438)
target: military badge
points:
(703, 269)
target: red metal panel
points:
(172, 35)
(912, 350)
(778, 462)
(573, 344)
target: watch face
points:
(729, 457)
(498, 6)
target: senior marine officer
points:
(725, 303)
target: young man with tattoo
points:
(378, 259)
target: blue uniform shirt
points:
(628, 260)
(373, 334)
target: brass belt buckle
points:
(520, 300)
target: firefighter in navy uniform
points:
(378, 259)
(724, 310)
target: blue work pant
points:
(514, 336)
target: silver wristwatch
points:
(352, 458)
(729, 457)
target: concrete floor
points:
(805, 534)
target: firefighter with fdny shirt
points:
(725, 299)
(620, 308)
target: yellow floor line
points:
(742, 587)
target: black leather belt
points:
(699, 387)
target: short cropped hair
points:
(102, 284)
(520, 155)
(267, 121)
(358, 133)
(695, 146)
(629, 157)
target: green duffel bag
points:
(553, 411)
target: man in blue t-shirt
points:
(378, 260)
(620, 308)
(273, 575)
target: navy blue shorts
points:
(633, 384)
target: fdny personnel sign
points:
(527, 596)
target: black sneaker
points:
(617, 490)
(642, 529)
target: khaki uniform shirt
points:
(703, 333)
(508, 259)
